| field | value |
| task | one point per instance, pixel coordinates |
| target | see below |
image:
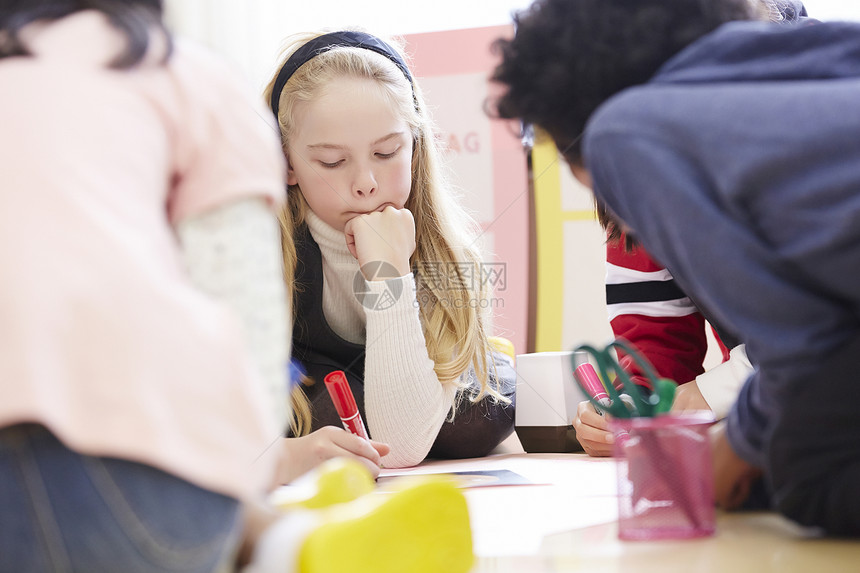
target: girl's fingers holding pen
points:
(591, 431)
(300, 455)
(368, 449)
(338, 442)
(381, 448)
(594, 442)
(589, 416)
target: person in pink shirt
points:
(144, 321)
(140, 386)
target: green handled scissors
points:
(643, 404)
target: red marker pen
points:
(344, 403)
(589, 380)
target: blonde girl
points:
(387, 278)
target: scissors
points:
(643, 403)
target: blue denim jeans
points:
(61, 511)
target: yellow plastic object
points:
(422, 526)
(334, 481)
(503, 345)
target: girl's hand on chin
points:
(386, 236)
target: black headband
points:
(325, 42)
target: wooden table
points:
(566, 521)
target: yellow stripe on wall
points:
(550, 245)
(549, 234)
(585, 215)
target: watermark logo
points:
(377, 271)
(452, 284)
(456, 285)
(464, 276)
(494, 276)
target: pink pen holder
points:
(665, 482)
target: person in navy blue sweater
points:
(728, 147)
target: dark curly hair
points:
(135, 18)
(569, 56)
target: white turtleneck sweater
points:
(404, 400)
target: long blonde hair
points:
(452, 318)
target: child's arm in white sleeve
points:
(234, 253)
(720, 385)
(404, 400)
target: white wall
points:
(250, 32)
(833, 9)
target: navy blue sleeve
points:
(784, 279)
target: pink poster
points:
(487, 163)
